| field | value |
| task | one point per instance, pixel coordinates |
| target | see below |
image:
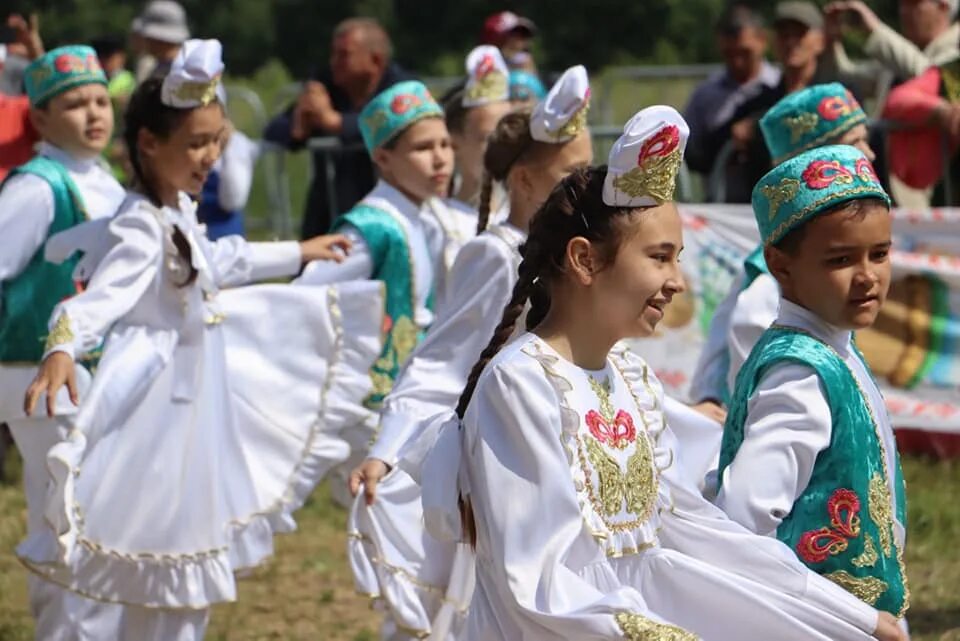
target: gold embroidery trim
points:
(489, 87)
(881, 511)
(656, 178)
(800, 215)
(869, 557)
(576, 124)
(868, 589)
(801, 125)
(602, 390)
(779, 194)
(61, 334)
(639, 628)
(200, 92)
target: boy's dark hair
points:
(791, 242)
(736, 18)
(106, 46)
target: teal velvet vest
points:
(389, 248)
(841, 526)
(29, 298)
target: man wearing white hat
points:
(161, 29)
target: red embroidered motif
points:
(67, 63)
(865, 171)
(661, 144)
(486, 66)
(404, 102)
(834, 107)
(822, 173)
(816, 546)
(618, 435)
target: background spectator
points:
(227, 189)
(513, 34)
(360, 68)
(19, 40)
(161, 29)
(714, 107)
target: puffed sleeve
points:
(357, 265)
(126, 271)
(434, 377)
(237, 261)
(531, 538)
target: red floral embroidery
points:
(486, 66)
(67, 63)
(866, 171)
(822, 173)
(387, 324)
(404, 102)
(835, 107)
(816, 546)
(618, 435)
(660, 144)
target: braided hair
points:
(509, 143)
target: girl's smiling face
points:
(183, 160)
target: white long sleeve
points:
(710, 378)
(528, 519)
(357, 265)
(755, 310)
(788, 424)
(236, 171)
(480, 285)
(26, 211)
(238, 262)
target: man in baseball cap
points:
(513, 34)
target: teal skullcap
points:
(809, 118)
(393, 110)
(61, 69)
(526, 86)
(810, 184)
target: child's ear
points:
(381, 158)
(581, 259)
(147, 142)
(38, 118)
(778, 262)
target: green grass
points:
(306, 591)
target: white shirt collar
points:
(72, 163)
(395, 197)
(793, 315)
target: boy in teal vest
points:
(808, 453)
(818, 115)
(394, 237)
(62, 186)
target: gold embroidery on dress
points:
(780, 194)
(602, 390)
(869, 557)
(868, 589)
(881, 512)
(801, 125)
(403, 338)
(655, 177)
(637, 487)
(611, 478)
(639, 628)
(201, 92)
(61, 334)
(491, 86)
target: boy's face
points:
(79, 120)
(840, 270)
(858, 136)
(421, 161)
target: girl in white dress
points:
(196, 439)
(568, 479)
(393, 558)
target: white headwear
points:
(194, 77)
(488, 78)
(562, 115)
(644, 162)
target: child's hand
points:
(28, 34)
(368, 474)
(712, 410)
(56, 370)
(888, 628)
(330, 247)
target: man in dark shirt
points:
(360, 68)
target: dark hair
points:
(790, 243)
(509, 144)
(146, 110)
(106, 46)
(736, 18)
(453, 110)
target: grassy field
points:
(306, 591)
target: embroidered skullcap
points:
(644, 161)
(525, 86)
(61, 69)
(487, 77)
(809, 184)
(194, 77)
(393, 110)
(562, 115)
(809, 118)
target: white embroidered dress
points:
(201, 431)
(587, 530)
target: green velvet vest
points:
(386, 238)
(841, 526)
(29, 298)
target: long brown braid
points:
(574, 208)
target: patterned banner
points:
(913, 349)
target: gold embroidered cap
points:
(562, 115)
(644, 161)
(488, 78)
(194, 77)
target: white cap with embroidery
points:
(488, 78)
(645, 160)
(194, 77)
(562, 115)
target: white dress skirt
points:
(211, 415)
(588, 527)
